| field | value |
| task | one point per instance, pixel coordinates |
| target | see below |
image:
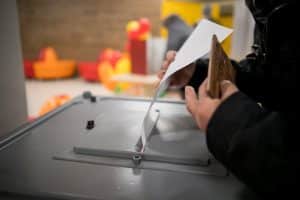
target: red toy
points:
(88, 70)
(28, 68)
(110, 55)
(137, 34)
(138, 56)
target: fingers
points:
(191, 99)
(227, 89)
(202, 89)
(169, 58)
(165, 65)
(161, 74)
(171, 55)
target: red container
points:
(28, 68)
(138, 56)
(88, 71)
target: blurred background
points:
(108, 47)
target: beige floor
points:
(38, 92)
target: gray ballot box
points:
(86, 149)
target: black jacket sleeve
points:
(250, 142)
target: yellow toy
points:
(106, 71)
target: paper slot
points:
(148, 125)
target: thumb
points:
(227, 89)
(191, 99)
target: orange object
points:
(53, 103)
(50, 67)
(106, 71)
(48, 54)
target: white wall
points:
(12, 88)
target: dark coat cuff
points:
(234, 114)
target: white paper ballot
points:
(196, 46)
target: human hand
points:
(203, 107)
(179, 78)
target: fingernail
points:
(226, 82)
(188, 90)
